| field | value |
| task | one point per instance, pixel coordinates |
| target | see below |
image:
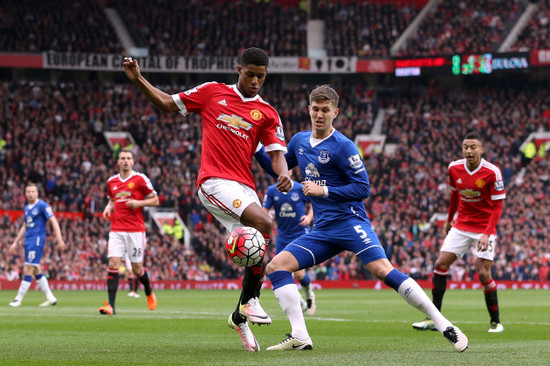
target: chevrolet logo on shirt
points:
(123, 194)
(470, 193)
(235, 121)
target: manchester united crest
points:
(480, 183)
(131, 185)
(237, 203)
(256, 114)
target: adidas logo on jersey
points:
(459, 181)
(223, 102)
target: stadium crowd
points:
(218, 28)
(56, 25)
(52, 132)
(536, 35)
(464, 26)
(53, 135)
(365, 29)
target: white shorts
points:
(226, 200)
(122, 244)
(459, 241)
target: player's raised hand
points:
(284, 183)
(131, 68)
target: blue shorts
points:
(354, 234)
(281, 245)
(34, 248)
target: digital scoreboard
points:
(467, 64)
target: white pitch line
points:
(174, 314)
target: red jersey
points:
(476, 191)
(136, 186)
(232, 127)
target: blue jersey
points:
(289, 209)
(36, 218)
(341, 221)
(334, 163)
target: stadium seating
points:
(56, 25)
(51, 131)
(536, 35)
(406, 188)
(217, 28)
(364, 28)
(467, 26)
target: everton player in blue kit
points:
(37, 214)
(292, 222)
(336, 181)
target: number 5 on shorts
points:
(360, 231)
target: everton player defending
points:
(37, 214)
(336, 181)
(292, 222)
(235, 119)
(129, 191)
(477, 192)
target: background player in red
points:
(235, 119)
(477, 192)
(129, 192)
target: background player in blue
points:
(37, 214)
(292, 222)
(336, 181)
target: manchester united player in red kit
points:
(235, 119)
(129, 191)
(477, 192)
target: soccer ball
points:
(245, 246)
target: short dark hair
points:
(323, 93)
(31, 184)
(254, 56)
(473, 136)
(127, 150)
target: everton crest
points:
(324, 157)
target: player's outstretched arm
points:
(57, 233)
(160, 99)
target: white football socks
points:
(23, 288)
(415, 296)
(44, 286)
(289, 299)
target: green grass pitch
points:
(351, 327)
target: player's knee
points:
(484, 276)
(276, 264)
(442, 265)
(114, 263)
(271, 267)
(137, 269)
(264, 225)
